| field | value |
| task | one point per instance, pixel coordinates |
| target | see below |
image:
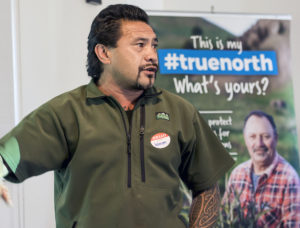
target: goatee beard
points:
(141, 87)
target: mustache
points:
(261, 148)
(153, 66)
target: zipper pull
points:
(142, 131)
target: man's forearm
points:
(204, 211)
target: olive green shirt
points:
(109, 173)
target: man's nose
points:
(151, 55)
(260, 141)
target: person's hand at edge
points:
(4, 193)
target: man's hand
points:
(204, 211)
(4, 193)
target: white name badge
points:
(160, 140)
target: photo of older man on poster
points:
(265, 190)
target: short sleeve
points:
(205, 159)
(35, 146)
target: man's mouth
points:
(260, 150)
(150, 69)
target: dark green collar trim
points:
(93, 91)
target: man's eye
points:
(140, 44)
(267, 136)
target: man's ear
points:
(102, 53)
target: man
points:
(118, 145)
(266, 187)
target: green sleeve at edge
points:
(10, 152)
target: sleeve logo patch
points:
(160, 140)
(162, 116)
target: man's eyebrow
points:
(145, 39)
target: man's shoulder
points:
(75, 95)
(240, 175)
(65, 102)
(176, 104)
(286, 169)
(243, 168)
(174, 98)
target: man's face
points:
(260, 140)
(134, 61)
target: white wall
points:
(52, 37)
(10, 217)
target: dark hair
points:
(260, 113)
(105, 30)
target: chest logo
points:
(160, 140)
(162, 116)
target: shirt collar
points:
(271, 167)
(94, 92)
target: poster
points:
(228, 65)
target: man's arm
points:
(291, 204)
(204, 211)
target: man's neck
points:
(126, 97)
(263, 168)
(258, 170)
